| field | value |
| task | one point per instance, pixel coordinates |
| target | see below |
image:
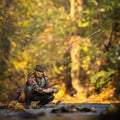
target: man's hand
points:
(51, 90)
(48, 90)
(56, 90)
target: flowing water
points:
(57, 112)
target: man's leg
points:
(28, 95)
(45, 99)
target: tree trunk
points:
(76, 12)
(75, 65)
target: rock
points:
(60, 110)
(85, 109)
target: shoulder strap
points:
(31, 77)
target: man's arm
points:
(31, 80)
(43, 90)
(51, 90)
(36, 87)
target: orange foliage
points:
(61, 93)
(106, 96)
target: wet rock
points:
(61, 110)
(73, 108)
(84, 109)
(65, 109)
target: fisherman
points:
(37, 88)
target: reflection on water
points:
(45, 113)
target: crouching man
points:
(37, 88)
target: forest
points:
(77, 40)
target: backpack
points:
(20, 95)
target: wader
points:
(31, 95)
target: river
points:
(58, 112)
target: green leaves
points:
(101, 78)
(40, 31)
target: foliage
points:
(101, 78)
(33, 32)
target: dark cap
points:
(40, 68)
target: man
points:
(37, 88)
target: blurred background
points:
(77, 40)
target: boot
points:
(28, 95)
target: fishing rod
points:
(94, 33)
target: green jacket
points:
(38, 83)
